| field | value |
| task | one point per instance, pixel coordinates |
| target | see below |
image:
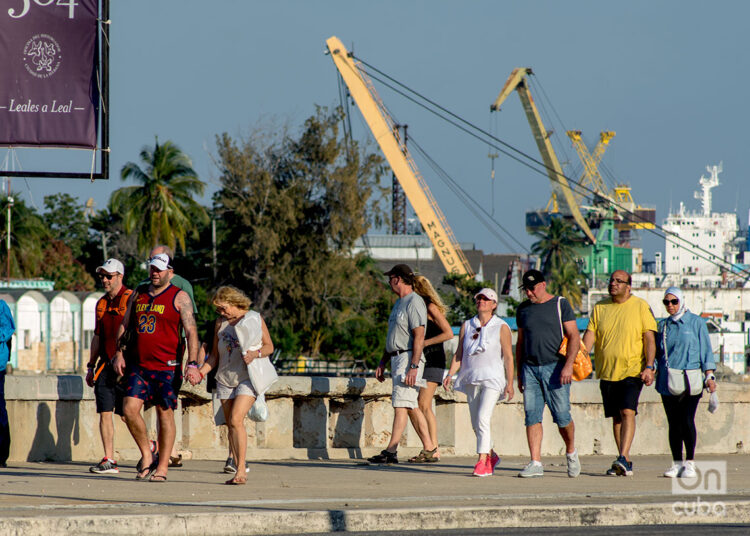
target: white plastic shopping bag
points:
(259, 411)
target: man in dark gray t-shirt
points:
(544, 376)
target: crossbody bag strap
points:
(664, 344)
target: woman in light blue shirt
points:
(682, 343)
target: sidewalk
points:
(304, 497)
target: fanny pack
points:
(681, 381)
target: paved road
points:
(658, 530)
(304, 497)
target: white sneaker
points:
(688, 470)
(673, 471)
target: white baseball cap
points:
(111, 266)
(161, 262)
(487, 293)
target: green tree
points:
(288, 213)
(61, 267)
(556, 245)
(161, 209)
(567, 281)
(28, 237)
(66, 220)
(461, 304)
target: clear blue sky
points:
(670, 77)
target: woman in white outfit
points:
(484, 361)
(232, 381)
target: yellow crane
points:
(633, 216)
(562, 194)
(591, 179)
(383, 130)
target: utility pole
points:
(8, 229)
(398, 198)
(213, 246)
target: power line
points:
(665, 234)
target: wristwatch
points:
(651, 367)
(412, 366)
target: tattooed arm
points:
(184, 305)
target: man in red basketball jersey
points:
(157, 316)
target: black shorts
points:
(104, 388)
(434, 366)
(623, 394)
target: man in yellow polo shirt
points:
(623, 327)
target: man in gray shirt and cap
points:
(404, 344)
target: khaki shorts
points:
(224, 392)
(404, 396)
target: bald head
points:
(619, 286)
(161, 248)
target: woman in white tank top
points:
(484, 361)
(232, 381)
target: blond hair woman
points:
(438, 331)
(232, 381)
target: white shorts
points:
(224, 392)
(402, 395)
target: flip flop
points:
(175, 461)
(236, 481)
(145, 474)
(157, 478)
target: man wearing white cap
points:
(110, 310)
(158, 315)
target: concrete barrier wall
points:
(54, 418)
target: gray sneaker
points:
(531, 470)
(574, 464)
(231, 468)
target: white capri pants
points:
(482, 401)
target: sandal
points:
(236, 481)
(384, 457)
(425, 456)
(145, 473)
(175, 461)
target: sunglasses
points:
(482, 298)
(620, 281)
(106, 276)
(476, 334)
(673, 302)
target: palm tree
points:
(161, 209)
(28, 238)
(556, 245)
(567, 281)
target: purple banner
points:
(48, 87)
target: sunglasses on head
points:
(673, 302)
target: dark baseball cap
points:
(531, 278)
(401, 270)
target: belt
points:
(396, 352)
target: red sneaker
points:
(483, 468)
(494, 460)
